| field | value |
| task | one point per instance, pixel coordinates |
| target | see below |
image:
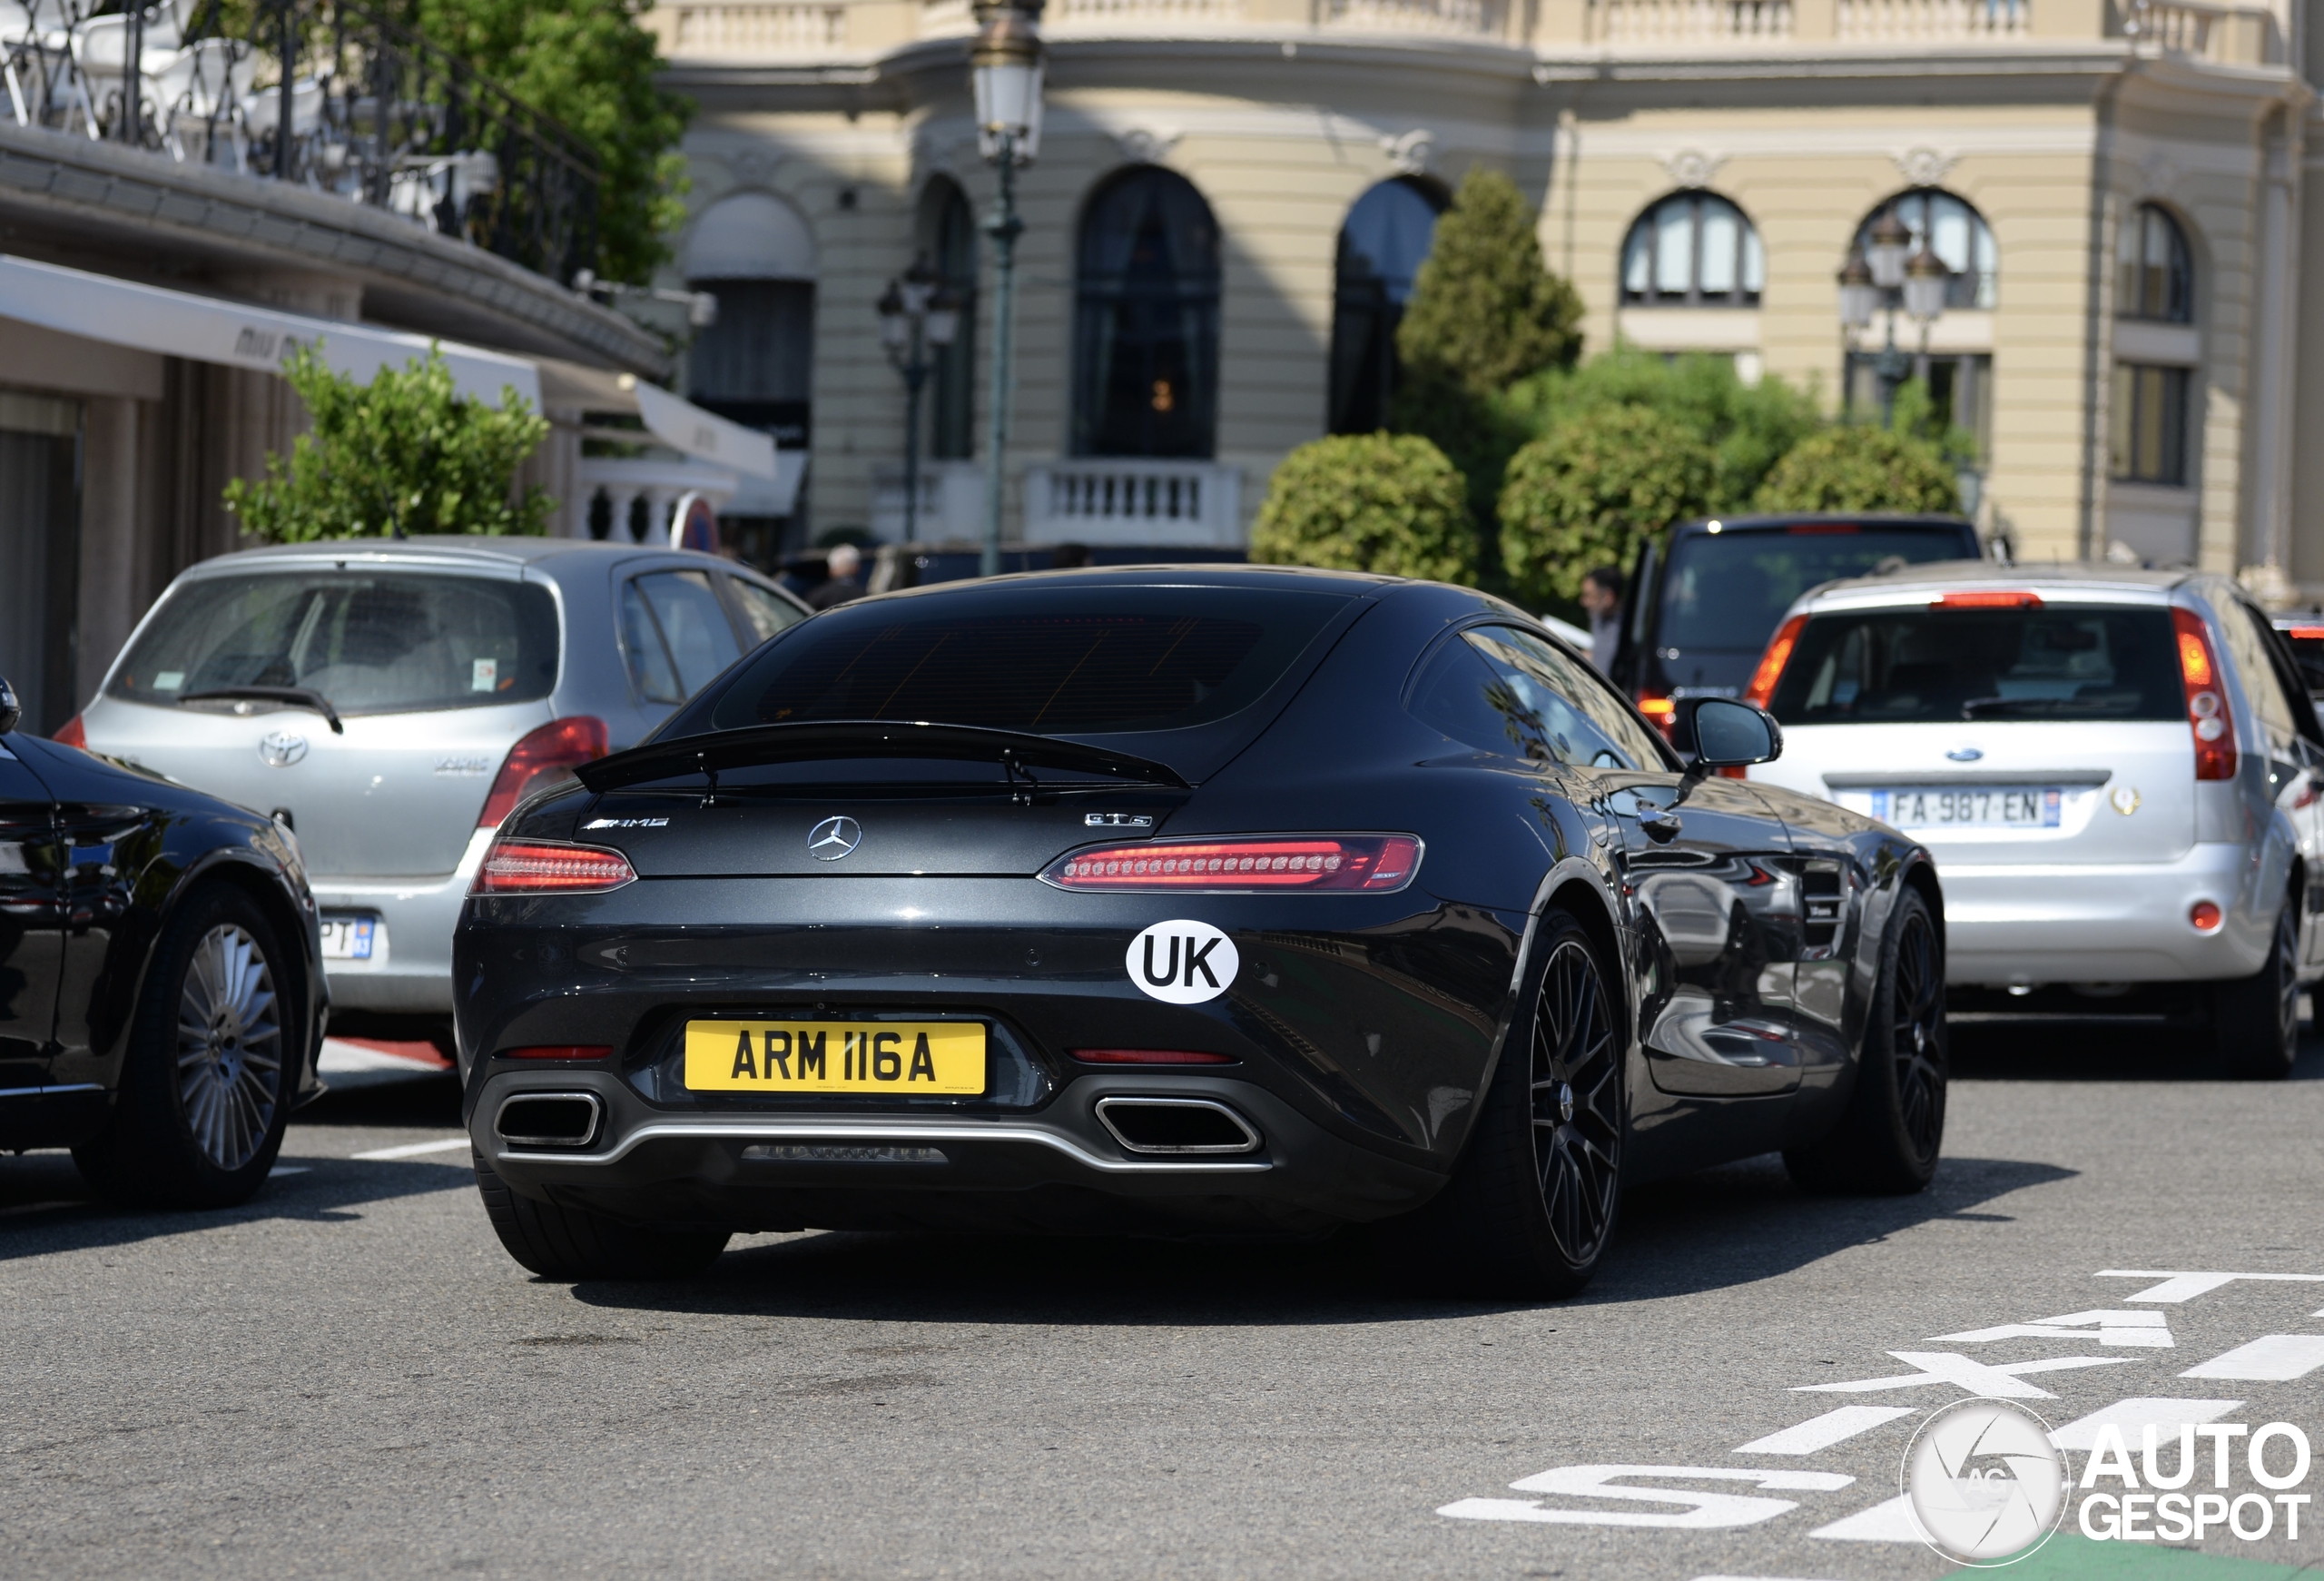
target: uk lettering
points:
(869, 1055)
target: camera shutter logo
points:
(1983, 1482)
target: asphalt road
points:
(348, 1377)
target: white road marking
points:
(2270, 1358)
(1993, 1383)
(1884, 1523)
(412, 1149)
(2148, 1329)
(1823, 1432)
(2134, 1415)
(2181, 1285)
(1701, 1509)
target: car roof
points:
(1208, 574)
(1776, 523)
(437, 549)
(2080, 581)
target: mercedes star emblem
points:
(833, 838)
(281, 748)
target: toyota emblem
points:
(833, 838)
(281, 748)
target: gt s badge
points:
(1183, 963)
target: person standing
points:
(840, 585)
(1602, 600)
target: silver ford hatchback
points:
(390, 701)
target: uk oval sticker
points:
(1183, 963)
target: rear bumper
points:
(2013, 925)
(412, 974)
(1055, 1169)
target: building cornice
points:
(101, 196)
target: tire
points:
(212, 1063)
(1531, 1207)
(573, 1243)
(2255, 1021)
(1887, 1142)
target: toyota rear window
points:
(1729, 590)
(1046, 661)
(1921, 666)
(371, 642)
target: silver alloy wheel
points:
(230, 1047)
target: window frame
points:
(745, 640)
(1098, 302)
(1967, 290)
(1665, 759)
(1362, 378)
(2125, 425)
(1641, 233)
(2178, 265)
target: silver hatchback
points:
(390, 701)
(2117, 772)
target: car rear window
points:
(1906, 666)
(372, 642)
(1730, 589)
(1060, 661)
(2308, 648)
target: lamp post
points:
(1005, 76)
(916, 316)
(1888, 263)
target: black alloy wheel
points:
(1531, 1209)
(2256, 1021)
(1887, 1140)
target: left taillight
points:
(2208, 714)
(1369, 862)
(550, 867)
(1762, 689)
(540, 759)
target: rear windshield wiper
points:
(1012, 751)
(306, 697)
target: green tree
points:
(1858, 467)
(1586, 492)
(402, 454)
(1749, 428)
(1382, 502)
(588, 63)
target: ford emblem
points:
(281, 748)
(833, 838)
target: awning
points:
(178, 323)
(684, 428)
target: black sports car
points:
(1181, 900)
(162, 991)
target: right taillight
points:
(2206, 712)
(1763, 679)
(550, 867)
(1373, 863)
(542, 758)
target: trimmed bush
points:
(1587, 491)
(1380, 502)
(1485, 310)
(1857, 467)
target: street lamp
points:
(1888, 264)
(917, 316)
(1005, 78)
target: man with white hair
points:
(840, 585)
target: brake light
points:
(557, 1051)
(1373, 863)
(2207, 711)
(1990, 599)
(1151, 1057)
(550, 867)
(1657, 710)
(1771, 663)
(73, 734)
(2304, 633)
(539, 760)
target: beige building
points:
(2120, 192)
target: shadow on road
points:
(2087, 1052)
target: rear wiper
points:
(1015, 752)
(306, 697)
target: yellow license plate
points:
(893, 1057)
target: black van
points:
(1702, 608)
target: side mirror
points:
(12, 713)
(1729, 735)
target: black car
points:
(162, 991)
(1699, 611)
(1193, 900)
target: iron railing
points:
(328, 94)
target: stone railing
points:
(1461, 18)
(1882, 21)
(1140, 15)
(1133, 502)
(2230, 34)
(951, 501)
(1662, 22)
(724, 27)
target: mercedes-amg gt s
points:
(1182, 900)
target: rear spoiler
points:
(1015, 752)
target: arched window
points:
(948, 233)
(2157, 279)
(757, 364)
(1387, 235)
(1693, 249)
(1145, 321)
(1955, 233)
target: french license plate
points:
(1981, 807)
(349, 938)
(897, 1058)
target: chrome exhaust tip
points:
(1176, 1126)
(548, 1119)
